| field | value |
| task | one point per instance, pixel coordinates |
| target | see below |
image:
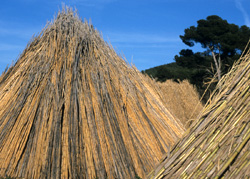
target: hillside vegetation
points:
(223, 44)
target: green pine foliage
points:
(215, 35)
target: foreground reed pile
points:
(182, 99)
(72, 108)
(217, 145)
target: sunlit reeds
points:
(217, 145)
(72, 108)
(182, 99)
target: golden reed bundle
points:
(182, 99)
(72, 108)
(217, 145)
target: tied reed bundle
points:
(72, 108)
(182, 99)
(217, 145)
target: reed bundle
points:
(182, 99)
(72, 108)
(217, 145)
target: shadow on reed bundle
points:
(72, 108)
(182, 99)
(217, 145)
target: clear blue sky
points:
(146, 32)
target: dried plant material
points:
(72, 108)
(217, 145)
(182, 99)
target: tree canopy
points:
(214, 33)
(220, 38)
(223, 43)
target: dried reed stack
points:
(182, 99)
(217, 146)
(72, 108)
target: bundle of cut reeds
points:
(217, 145)
(182, 99)
(72, 108)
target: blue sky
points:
(145, 32)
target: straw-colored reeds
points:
(182, 99)
(72, 108)
(217, 145)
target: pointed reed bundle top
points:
(217, 145)
(72, 108)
